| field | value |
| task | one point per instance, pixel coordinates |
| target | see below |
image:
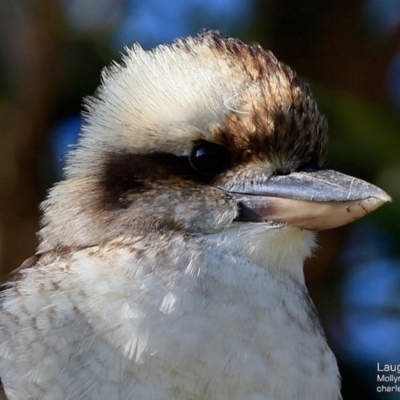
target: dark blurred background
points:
(51, 55)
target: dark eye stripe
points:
(124, 172)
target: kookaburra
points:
(170, 263)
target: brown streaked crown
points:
(276, 114)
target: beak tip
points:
(372, 203)
(386, 198)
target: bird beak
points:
(317, 200)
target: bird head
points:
(196, 137)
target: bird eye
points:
(209, 158)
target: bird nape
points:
(170, 262)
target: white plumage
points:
(152, 280)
